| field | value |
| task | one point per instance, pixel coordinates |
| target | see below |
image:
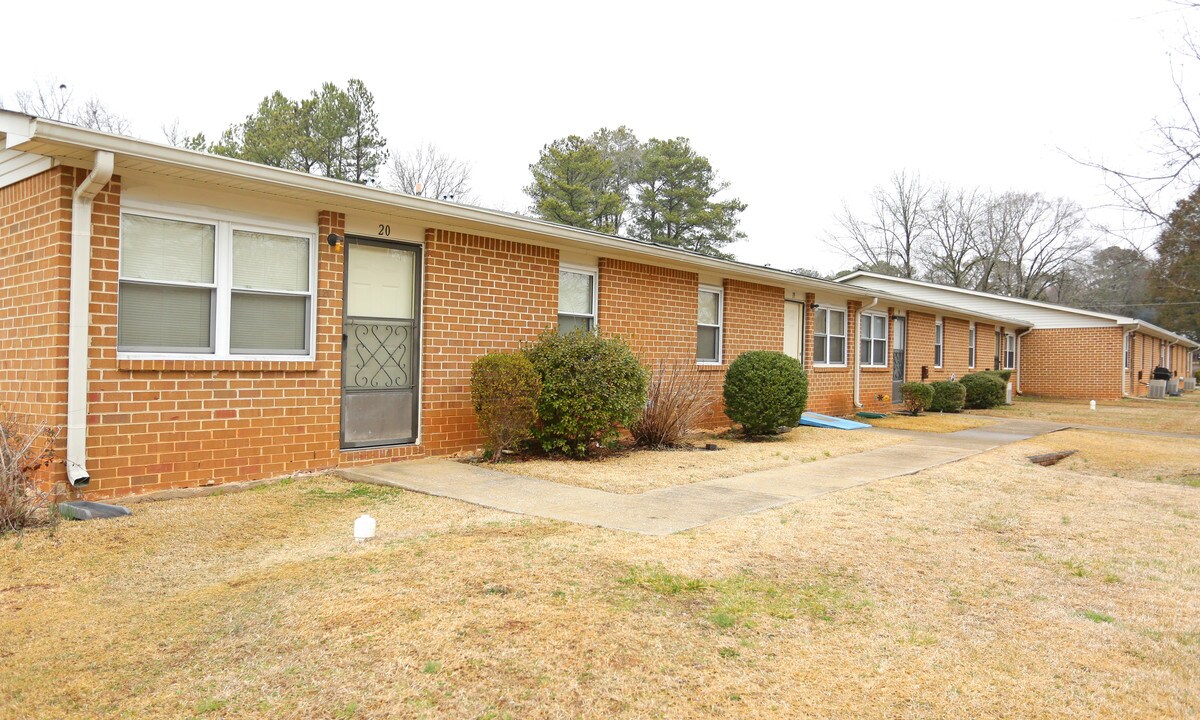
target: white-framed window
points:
(971, 347)
(937, 343)
(1010, 351)
(709, 316)
(577, 295)
(202, 288)
(829, 336)
(872, 344)
(1128, 349)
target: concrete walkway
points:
(670, 510)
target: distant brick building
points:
(192, 319)
(1064, 352)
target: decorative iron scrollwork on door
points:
(379, 354)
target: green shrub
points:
(984, 390)
(948, 396)
(765, 391)
(504, 393)
(591, 386)
(1004, 375)
(916, 397)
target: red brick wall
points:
(831, 389)
(1146, 356)
(156, 424)
(481, 295)
(35, 254)
(174, 423)
(652, 308)
(1082, 363)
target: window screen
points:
(576, 301)
(708, 327)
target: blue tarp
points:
(828, 421)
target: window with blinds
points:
(268, 309)
(165, 296)
(708, 325)
(192, 287)
(576, 300)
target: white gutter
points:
(23, 129)
(1017, 362)
(77, 338)
(858, 351)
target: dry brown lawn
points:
(1170, 460)
(1171, 415)
(930, 422)
(988, 588)
(640, 470)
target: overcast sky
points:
(798, 108)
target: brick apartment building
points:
(1066, 352)
(192, 319)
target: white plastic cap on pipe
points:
(1093, 404)
(364, 528)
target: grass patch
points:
(658, 580)
(744, 599)
(1174, 415)
(929, 422)
(354, 491)
(636, 471)
(1096, 616)
(1147, 458)
(210, 705)
(1075, 568)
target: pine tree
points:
(571, 185)
(332, 132)
(1175, 277)
(676, 200)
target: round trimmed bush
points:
(764, 391)
(948, 396)
(984, 390)
(592, 385)
(916, 397)
(1004, 375)
(504, 393)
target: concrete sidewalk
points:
(669, 510)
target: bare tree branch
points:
(429, 172)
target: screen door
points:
(899, 343)
(380, 343)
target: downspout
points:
(858, 351)
(1126, 363)
(1017, 362)
(77, 338)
